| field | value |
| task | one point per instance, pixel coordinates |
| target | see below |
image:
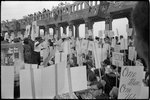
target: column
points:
(77, 30)
(108, 23)
(64, 29)
(57, 31)
(129, 21)
(71, 28)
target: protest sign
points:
(25, 84)
(7, 82)
(130, 82)
(38, 83)
(28, 27)
(62, 78)
(129, 31)
(79, 81)
(90, 33)
(57, 58)
(123, 44)
(84, 45)
(106, 32)
(117, 48)
(127, 27)
(117, 59)
(48, 82)
(100, 33)
(111, 33)
(91, 45)
(35, 30)
(144, 94)
(131, 54)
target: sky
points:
(17, 9)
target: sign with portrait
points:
(117, 59)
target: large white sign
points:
(27, 32)
(84, 44)
(7, 82)
(111, 33)
(117, 59)
(132, 53)
(100, 33)
(35, 30)
(129, 31)
(117, 48)
(130, 82)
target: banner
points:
(35, 30)
(28, 27)
(106, 32)
(117, 48)
(123, 44)
(130, 82)
(129, 31)
(48, 82)
(111, 33)
(84, 45)
(7, 82)
(100, 33)
(26, 84)
(117, 59)
(91, 46)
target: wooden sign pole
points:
(56, 85)
(69, 81)
(117, 75)
(32, 82)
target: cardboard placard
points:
(130, 82)
(124, 44)
(91, 45)
(131, 54)
(117, 48)
(129, 31)
(111, 33)
(25, 84)
(113, 43)
(57, 58)
(100, 33)
(7, 82)
(106, 32)
(62, 78)
(38, 83)
(84, 45)
(48, 82)
(28, 27)
(35, 30)
(79, 81)
(117, 59)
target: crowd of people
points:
(105, 80)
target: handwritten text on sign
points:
(117, 59)
(130, 82)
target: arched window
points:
(98, 2)
(75, 8)
(79, 7)
(83, 5)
